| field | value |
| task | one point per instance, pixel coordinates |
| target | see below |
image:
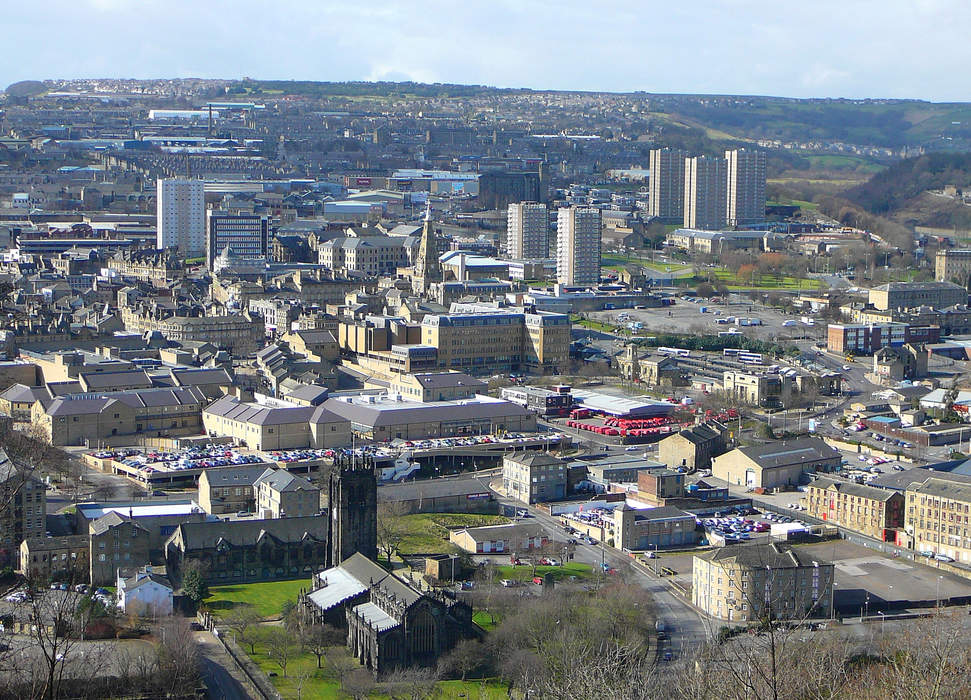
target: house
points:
(893, 364)
(647, 528)
(533, 477)
(694, 447)
(144, 592)
(55, 558)
(513, 537)
(280, 494)
(229, 489)
(783, 463)
(115, 541)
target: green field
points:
(765, 281)
(525, 572)
(268, 598)
(484, 620)
(618, 262)
(427, 533)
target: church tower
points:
(353, 517)
(427, 267)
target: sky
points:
(798, 48)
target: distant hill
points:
(901, 191)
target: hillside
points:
(901, 191)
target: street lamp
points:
(938, 594)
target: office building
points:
(874, 512)
(527, 231)
(578, 246)
(497, 190)
(746, 186)
(666, 186)
(866, 339)
(910, 295)
(749, 582)
(533, 477)
(245, 235)
(705, 193)
(181, 215)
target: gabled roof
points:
(852, 488)
(282, 480)
(761, 556)
(242, 533)
(782, 453)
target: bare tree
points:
(244, 620)
(280, 646)
(317, 639)
(391, 527)
(411, 684)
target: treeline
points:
(310, 88)
(893, 188)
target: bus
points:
(674, 352)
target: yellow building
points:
(936, 517)
(271, 424)
(748, 582)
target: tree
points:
(468, 656)
(411, 684)
(280, 646)
(391, 528)
(194, 583)
(705, 290)
(318, 638)
(243, 619)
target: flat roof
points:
(93, 511)
(621, 406)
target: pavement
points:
(219, 670)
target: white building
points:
(527, 230)
(746, 186)
(578, 246)
(145, 593)
(705, 193)
(181, 210)
(245, 235)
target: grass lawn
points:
(484, 620)
(560, 573)
(268, 598)
(616, 261)
(766, 281)
(428, 532)
(474, 690)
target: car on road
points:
(508, 583)
(667, 655)
(846, 368)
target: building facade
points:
(936, 517)
(705, 193)
(953, 266)
(245, 235)
(534, 477)
(866, 339)
(666, 185)
(746, 186)
(779, 464)
(527, 230)
(181, 215)
(741, 583)
(874, 512)
(578, 246)
(910, 295)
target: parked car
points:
(943, 557)
(508, 583)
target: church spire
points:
(427, 267)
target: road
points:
(685, 627)
(219, 671)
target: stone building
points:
(694, 447)
(116, 541)
(874, 512)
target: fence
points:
(256, 680)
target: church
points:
(390, 624)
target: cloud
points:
(851, 48)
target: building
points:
(54, 559)
(694, 447)
(746, 186)
(371, 256)
(144, 592)
(390, 624)
(639, 529)
(528, 230)
(578, 243)
(533, 477)
(24, 515)
(391, 416)
(245, 235)
(742, 583)
(457, 495)
(229, 489)
(776, 464)
(953, 265)
(656, 485)
(666, 185)
(705, 193)
(280, 494)
(899, 363)
(437, 386)
(935, 517)
(757, 389)
(543, 402)
(158, 518)
(910, 295)
(871, 511)
(720, 242)
(116, 541)
(866, 339)
(497, 190)
(511, 538)
(181, 215)
(237, 551)
(273, 424)
(427, 268)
